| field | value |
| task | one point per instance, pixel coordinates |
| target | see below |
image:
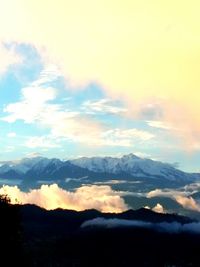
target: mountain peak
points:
(130, 156)
(129, 166)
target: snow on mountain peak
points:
(130, 164)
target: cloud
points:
(113, 182)
(49, 74)
(32, 105)
(102, 198)
(33, 155)
(181, 197)
(112, 223)
(11, 134)
(130, 133)
(123, 46)
(142, 155)
(187, 203)
(159, 124)
(126, 137)
(103, 106)
(172, 227)
(158, 208)
(41, 142)
(8, 58)
(159, 192)
(38, 105)
(34, 98)
(192, 188)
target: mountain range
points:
(129, 167)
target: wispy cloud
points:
(49, 74)
(103, 106)
(159, 124)
(38, 105)
(126, 137)
(41, 142)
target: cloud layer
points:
(182, 196)
(173, 227)
(102, 198)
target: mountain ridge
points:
(130, 167)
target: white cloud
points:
(187, 202)
(129, 134)
(102, 198)
(32, 106)
(103, 106)
(8, 57)
(33, 155)
(158, 208)
(49, 74)
(160, 124)
(181, 197)
(11, 134)
(34, 98)
(37, 106)
(126, 137)
(41, 142)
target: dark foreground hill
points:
(90, 238)
(38, 222)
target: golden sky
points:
(142, 51)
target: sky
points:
(104, 78)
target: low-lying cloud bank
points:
(173, 227)
(181, 196)
(102, 198)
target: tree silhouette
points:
(10, 232)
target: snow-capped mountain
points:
(132, 165)
(128, 167)
(26, 164)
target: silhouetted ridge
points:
(58, 238)
(61, 222)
